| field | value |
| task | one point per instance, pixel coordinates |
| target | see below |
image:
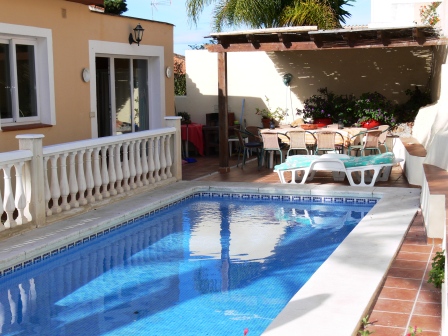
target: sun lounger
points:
(340, 164)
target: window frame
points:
(156, 79)
(16, 119)
(41, 39)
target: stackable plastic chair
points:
(297, 141)
(326, 142)
(244, 146)
(383, 136)
(369, 141)
(271, 143)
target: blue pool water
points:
(203, 267)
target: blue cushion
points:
(304, 161)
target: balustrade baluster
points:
(8, 202)
(54, 186)
(48, 211)
(97, 174)
(157, 158)
(104, 172)
(151, 164)
(1, 206)
(138, 163)
(132, 170)
(169, 160)
(145, 162)
(111, 167)
(72, 180)
(8, 198)
(126, 173)
(118, 170)
(64, 181)
(20, 195)
(27, 190)
(82, 187)
(89, 176)
(162, 157)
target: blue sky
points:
(186, 33)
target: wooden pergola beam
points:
(278, 46)
(222, 109)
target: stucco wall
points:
(72, 26)
(254, 75)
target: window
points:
(26, 76)
(18, 98)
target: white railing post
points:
(34, 182)
(157, 158)
(163, 157)
(176, 146)
(151, 164)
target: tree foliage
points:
(115, 6)
(180, 79)
(326, 14)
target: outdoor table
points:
(193, 133)
(347, 133)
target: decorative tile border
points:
(196, 195)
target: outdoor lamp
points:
(287, 78)
(138, 33)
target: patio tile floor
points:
(405, 299)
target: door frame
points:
(156, 84)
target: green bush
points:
(369, 106)
(437, 273)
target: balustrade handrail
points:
(109, 140)
(15, 156)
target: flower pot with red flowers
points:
(370, 124)
(373, 109)
(323, 121)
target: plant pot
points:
(266, 122)
(370, 124)
(325, 121)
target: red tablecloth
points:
(193, 133)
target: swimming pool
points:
(115, 215)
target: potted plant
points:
(373, 109)
(325, 108)
(185, 118)
(268, 114)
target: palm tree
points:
(326, 14)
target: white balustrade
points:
(83, 172)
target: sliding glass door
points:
(124, 107)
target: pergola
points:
(305, 38)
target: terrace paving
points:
(405, 298)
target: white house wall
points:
(254, 75)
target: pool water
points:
(203, 267)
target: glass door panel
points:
(123, 106)
(140, 72)
(103, 104)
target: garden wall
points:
(254, 75)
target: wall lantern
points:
(287, 78)
(138, 34)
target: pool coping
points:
(349, 278)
